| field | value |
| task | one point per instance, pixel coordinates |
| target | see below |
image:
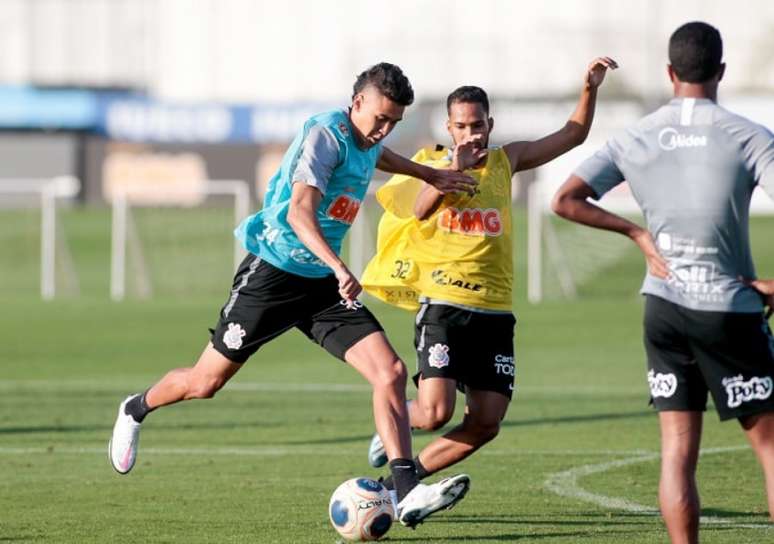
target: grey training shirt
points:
(692, 167)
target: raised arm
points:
(445, 181)
(525, 155)
(571, 202)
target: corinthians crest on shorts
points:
(439, 355)
(233, 336)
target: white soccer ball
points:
(361, 510)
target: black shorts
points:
(473, 348)
(690, 353)
(266, 301)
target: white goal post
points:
(49, 190)
(124, 199)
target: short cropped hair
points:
(470, 94)
(389, 80)
(695, 52)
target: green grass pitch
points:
(576, 460)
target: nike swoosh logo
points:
(402, 466)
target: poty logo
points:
(344, 209)
(471, 221)
(740, 391)
(669, 139)
(439, 355)
(662, 385)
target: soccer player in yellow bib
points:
(449, 257)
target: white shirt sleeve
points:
(318, 156)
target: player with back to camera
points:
(450, 257)
(293, 277)
(692, 167)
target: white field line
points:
(126, 384)
(565, 484)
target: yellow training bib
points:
(461, 254)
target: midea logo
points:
(669, 139)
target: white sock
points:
(394, 499)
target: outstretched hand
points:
(595, 74)
(468, 153)
(766, 290)
(451, 181)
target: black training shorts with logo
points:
(473, 348)
(691, 352)
(266, 301)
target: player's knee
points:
(392, 376)
(678, 461)
(436, 415)
(482, 430)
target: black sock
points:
(404, 476)
(138, 408)
(421, 474)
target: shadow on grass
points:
(576, 419)
(513, 423)
(591, 526)
(107, 427)
(720, 513)
(30, 429)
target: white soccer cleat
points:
(122, 449)
(424, 500)
(377, 456)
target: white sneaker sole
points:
(454, 489)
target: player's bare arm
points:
(466, 155)
(446, 181)
(302, 217)
(526, 155)
(571, 202)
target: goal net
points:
(36, 256)
(176, 241)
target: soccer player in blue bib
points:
(692, 167)
(293, 277)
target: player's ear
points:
(357, 101)
(722, 71)
(491, 125)
(671, 73)
(449, 128)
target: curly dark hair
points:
(695, 52)
(469, 94)
(388, 80)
